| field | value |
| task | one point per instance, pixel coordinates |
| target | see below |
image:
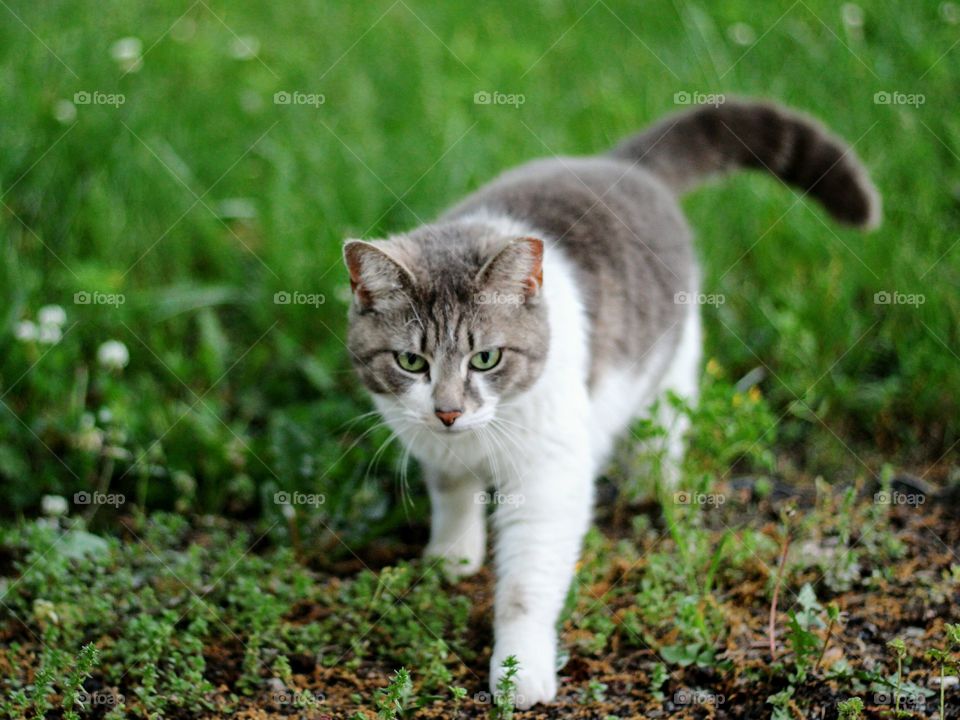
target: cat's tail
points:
(685, 149)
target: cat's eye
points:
(485, 359)
(411, 362)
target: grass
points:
(171, 221)
(198, 199)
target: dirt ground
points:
(736, 686)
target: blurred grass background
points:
(199, 197)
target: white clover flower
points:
(741, 34)
(52, 315)
(53, 505)
(126, 51)
(245, 48)
(45, 611)
(64, 112)
(50, 334)
(183, 30)
(852, 15)
(26, 331)
(113, 355)
(950, 12)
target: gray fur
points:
(616, 217)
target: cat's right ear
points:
(376, 278)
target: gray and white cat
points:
(512, 341)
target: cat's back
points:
(625, 235)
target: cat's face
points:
(444, 330)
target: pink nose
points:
(448, 417)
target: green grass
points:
(239, 395)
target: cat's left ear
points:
(516, 268)
(376, 277)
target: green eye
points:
(485, 359)
(411, 362)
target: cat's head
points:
(447, 322)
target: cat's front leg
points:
(458, 534)
(540, 522)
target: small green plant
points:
(805, 643)
(281, 669)
(395, 700)
(43, 684)
(658, 677)
(73, 686)
(594, 692)
(900, 651)
(458, 695)
(782, 702)
(851, 709)
(504, 698)
(946, 659)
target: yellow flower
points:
(754, 394)
(713, 368)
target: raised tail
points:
(685, 149)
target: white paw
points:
(459, 558)
(536, 653)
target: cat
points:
(510, 343)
